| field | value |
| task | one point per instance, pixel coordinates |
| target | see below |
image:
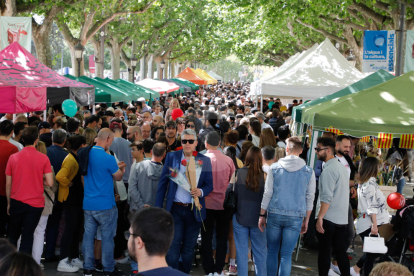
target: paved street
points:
(306, 264)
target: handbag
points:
(230, 201)
(374, 245)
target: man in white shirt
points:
(269, 154)
(261, 117)
(7, 116)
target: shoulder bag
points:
(230, 202)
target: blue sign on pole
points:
(379, 51)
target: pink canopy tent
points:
(28, 85)
(159, 86)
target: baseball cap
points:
(115, 125)
(141, 99)
(43, 125)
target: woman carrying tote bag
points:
(372, 211)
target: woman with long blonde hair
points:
(173, 105)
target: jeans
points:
(107, 219)
(221, 220)
(334, 238)
(400, 185)
(282, 235)
(259, 247)
(186, 230)
(69, 244)
(52, 229)
(23, 221)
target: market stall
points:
(367, 82)
(188, 74)
(183, 88)
(204, 74)
(159, 86)
(387, 108)
(214, 75)
(320, 73)
(28, 85)
(194, 87)
(100, 95)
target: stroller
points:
(401, 244)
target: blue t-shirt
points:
(167, 271)
(99, 184)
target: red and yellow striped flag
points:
(334, 130)
(407, 141)
(364, 139)
(384, 140)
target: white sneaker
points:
(77, 262)
(216, 274)
(349, 250)
(332, 273)
(335, 268)
(352, 271)
(124, 260)
(66, 266)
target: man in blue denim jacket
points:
(288, 199)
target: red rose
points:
(184, 162)
(200, 162)
(174, 173)
(195, 153)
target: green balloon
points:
(69, 108)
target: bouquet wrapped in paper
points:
(191, 178)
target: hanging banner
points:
(16, 29)
(409, 52)
(407, 141)
(379, 51)
(384, 140)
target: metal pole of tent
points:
(93, 109)
(261, 102)
(14, 117)
(45, 115)
(398, 69)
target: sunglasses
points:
(191, 141)
(191, 126)
(319, 149)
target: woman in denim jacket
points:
(288, 200)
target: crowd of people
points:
(109, 181)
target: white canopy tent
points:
(214, 75)
(318, 73)
(291, 62)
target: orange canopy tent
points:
(188, 74)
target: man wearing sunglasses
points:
(187, 220)
(332, 209)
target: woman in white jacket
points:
(372, 210)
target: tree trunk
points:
(97, 53)
(41, 42)
(150, 67)
(115, 50)
(142, 68)
(75, 67)
(11, 8)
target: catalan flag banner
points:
(384, 140)
(407, 141)
(334, 130)
(364, 139)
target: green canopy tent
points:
(113, 84)
(185, 88)
(370, 81)
(117, 95)
(179, 91)
(101, 96)
(151, 94)
(387, 107)
(194, 87)
(384, 108)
